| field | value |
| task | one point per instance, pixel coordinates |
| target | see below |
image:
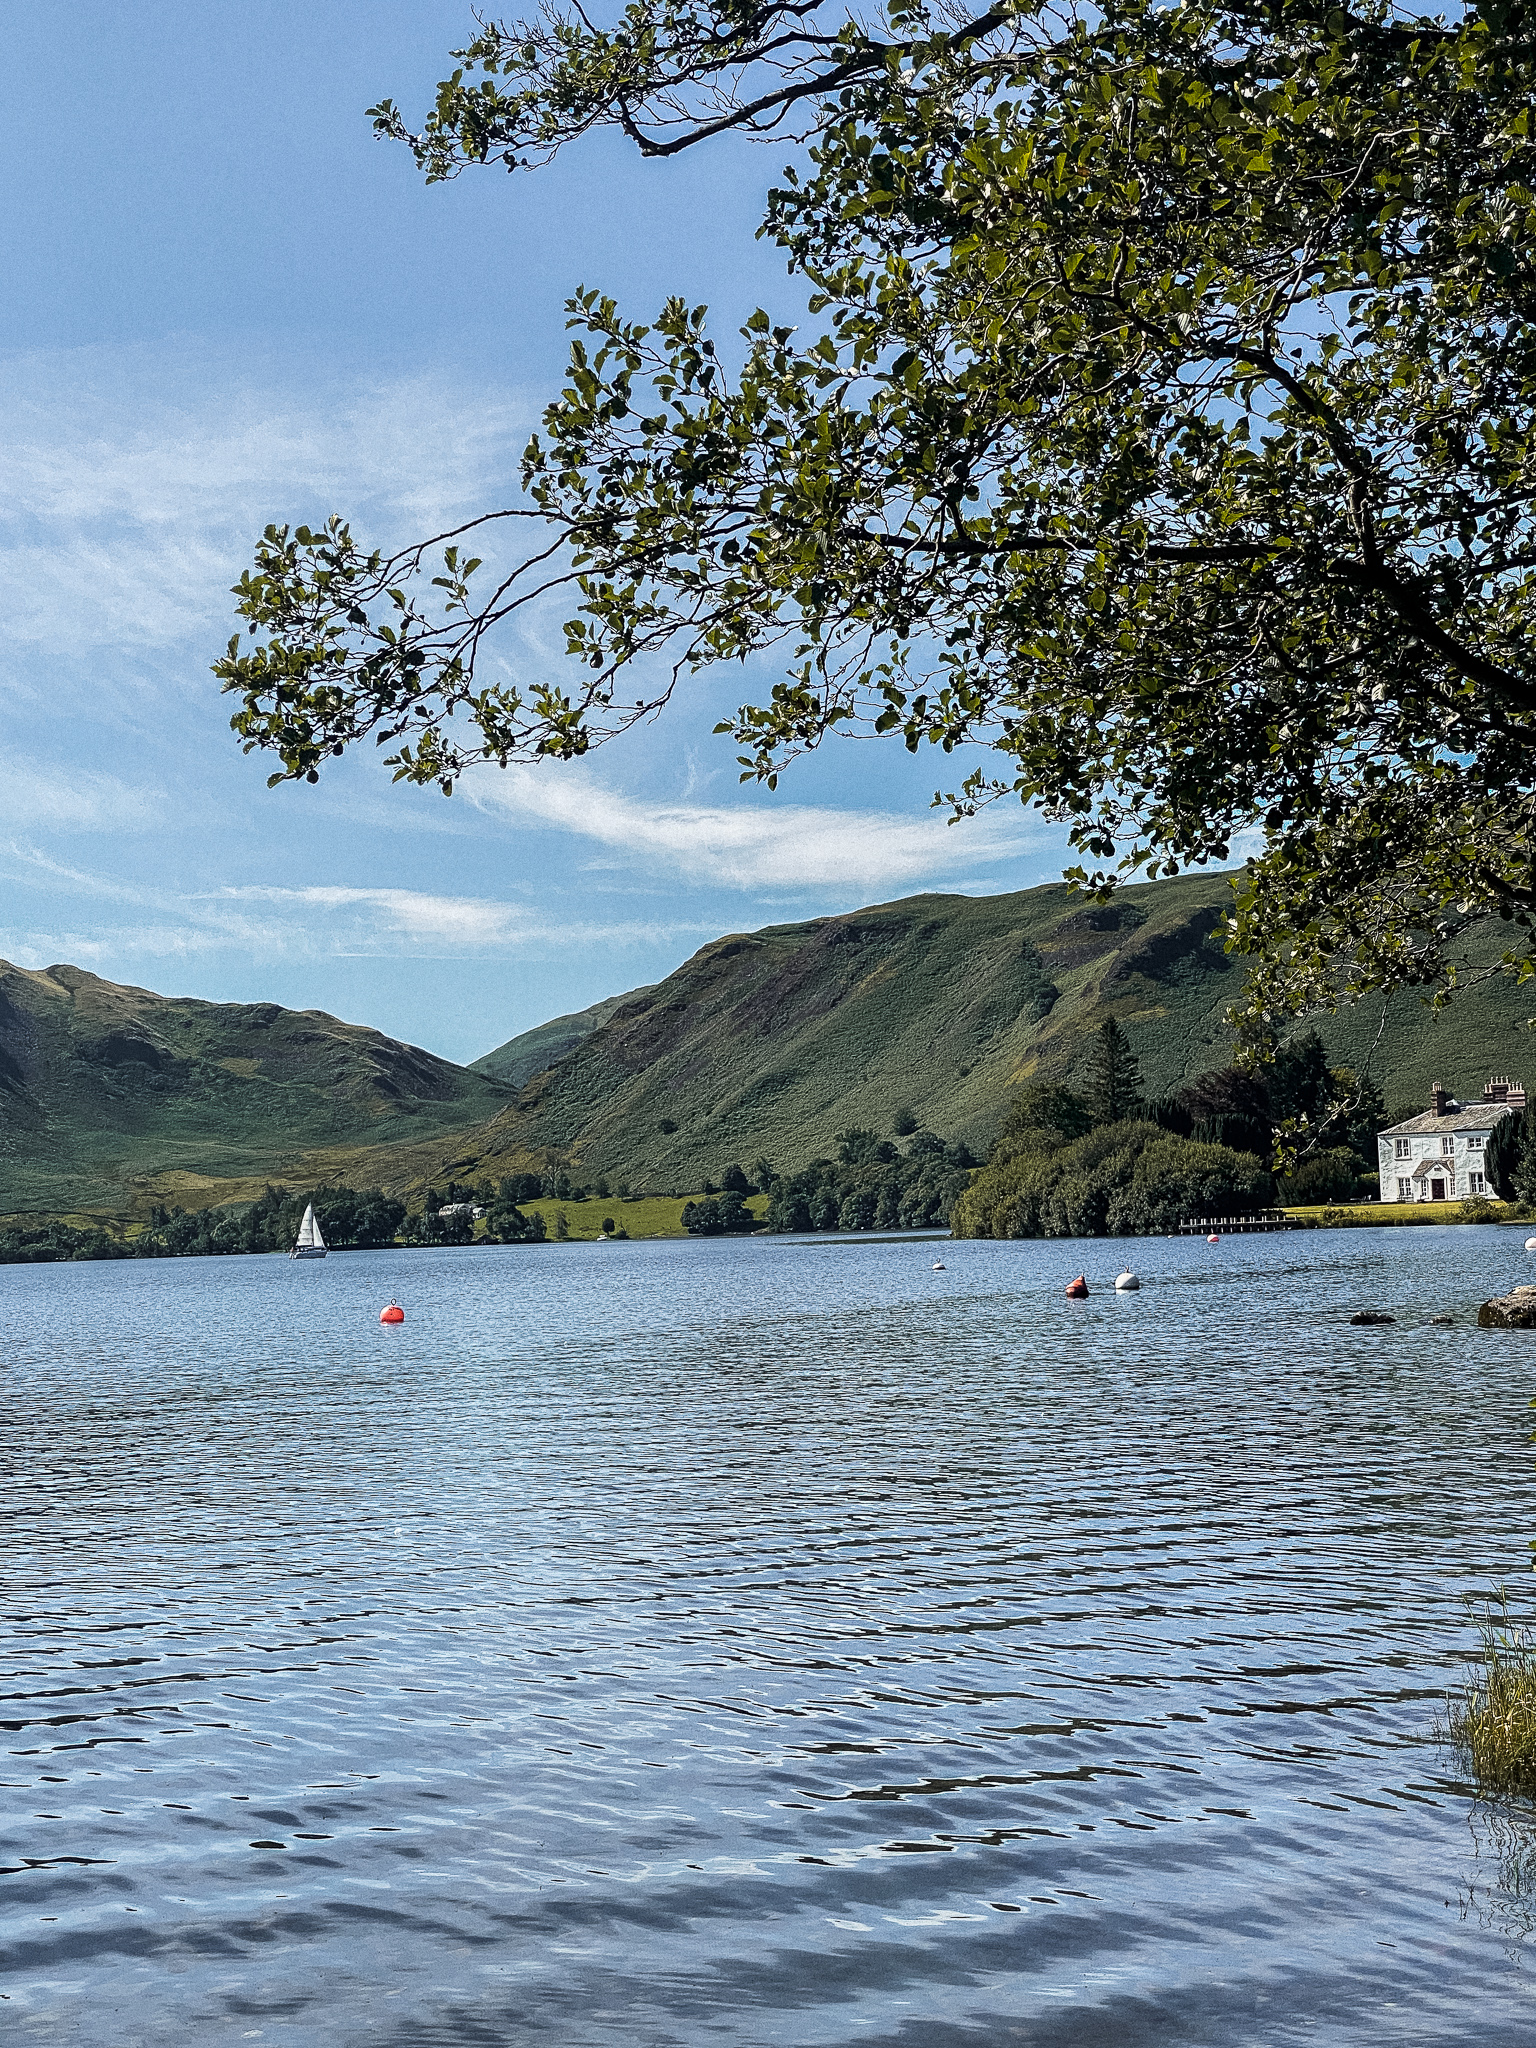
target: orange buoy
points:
(393, 1314)
(1214, 1238)
(1077, 1290)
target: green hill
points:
(531, 1052)
(113, 1096)
(765, 1043)
(771, 1042)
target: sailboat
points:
(310, 1244)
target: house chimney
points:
(1437, 1099)
(1497, 1089)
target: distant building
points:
(1438, 1157)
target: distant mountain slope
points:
(770, 1042)
(531, 1052)
(104, 1087)
(765, 1043)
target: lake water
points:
(766, 1642)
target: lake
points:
(760, 1642)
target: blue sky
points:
(227, 303)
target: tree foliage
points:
(1318, 1124)
(717, 1216)
(1124, 1179)
(505, 1222)
(1222, 1106)
(1116, 1076)
(1162, 425)
(871, 1185)
(1048, 1106)
(360, 1219)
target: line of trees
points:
(350, 1219)
(1316, 1125)
(872, 1184)
(1106, 1161)
(724, 1211)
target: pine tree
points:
(1116, 1088)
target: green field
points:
(1399, 1212)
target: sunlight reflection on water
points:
(758, 1642)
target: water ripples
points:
(757, 1643)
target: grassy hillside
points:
(112, 1096)
(765, 1043)
(770, 1042)
(531, 1052)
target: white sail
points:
(310, 1244)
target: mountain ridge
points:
(769, 1043)
(765, 1043)
(530, 1052)
(105, 1086)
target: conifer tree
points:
(1116, 1077)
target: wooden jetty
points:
(1233, 1226)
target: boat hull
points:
(307, 1252)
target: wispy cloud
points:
(126, 515)
(458, 925)
(35, 797)
(757, 846)
(277, 922)
(462, 922)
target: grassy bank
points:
(1493, 1722)
(1338, 1214)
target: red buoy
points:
(393, 1314)
(1077, 1289)
(1214, 1238)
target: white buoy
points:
(1127, 1283)
(1530, 1244)
(938, 1265)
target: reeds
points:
(1493, 1721)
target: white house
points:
(1438, 1157)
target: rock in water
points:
(1370, 1315)
(1513, 1311)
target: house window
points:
(1404, 1188)
(1475, 1141)
(1448, 1145)
(1475, 1183)
(1404, 1149)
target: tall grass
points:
(1492, 1723)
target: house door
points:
(1437, 1191)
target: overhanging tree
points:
(1163, 426)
